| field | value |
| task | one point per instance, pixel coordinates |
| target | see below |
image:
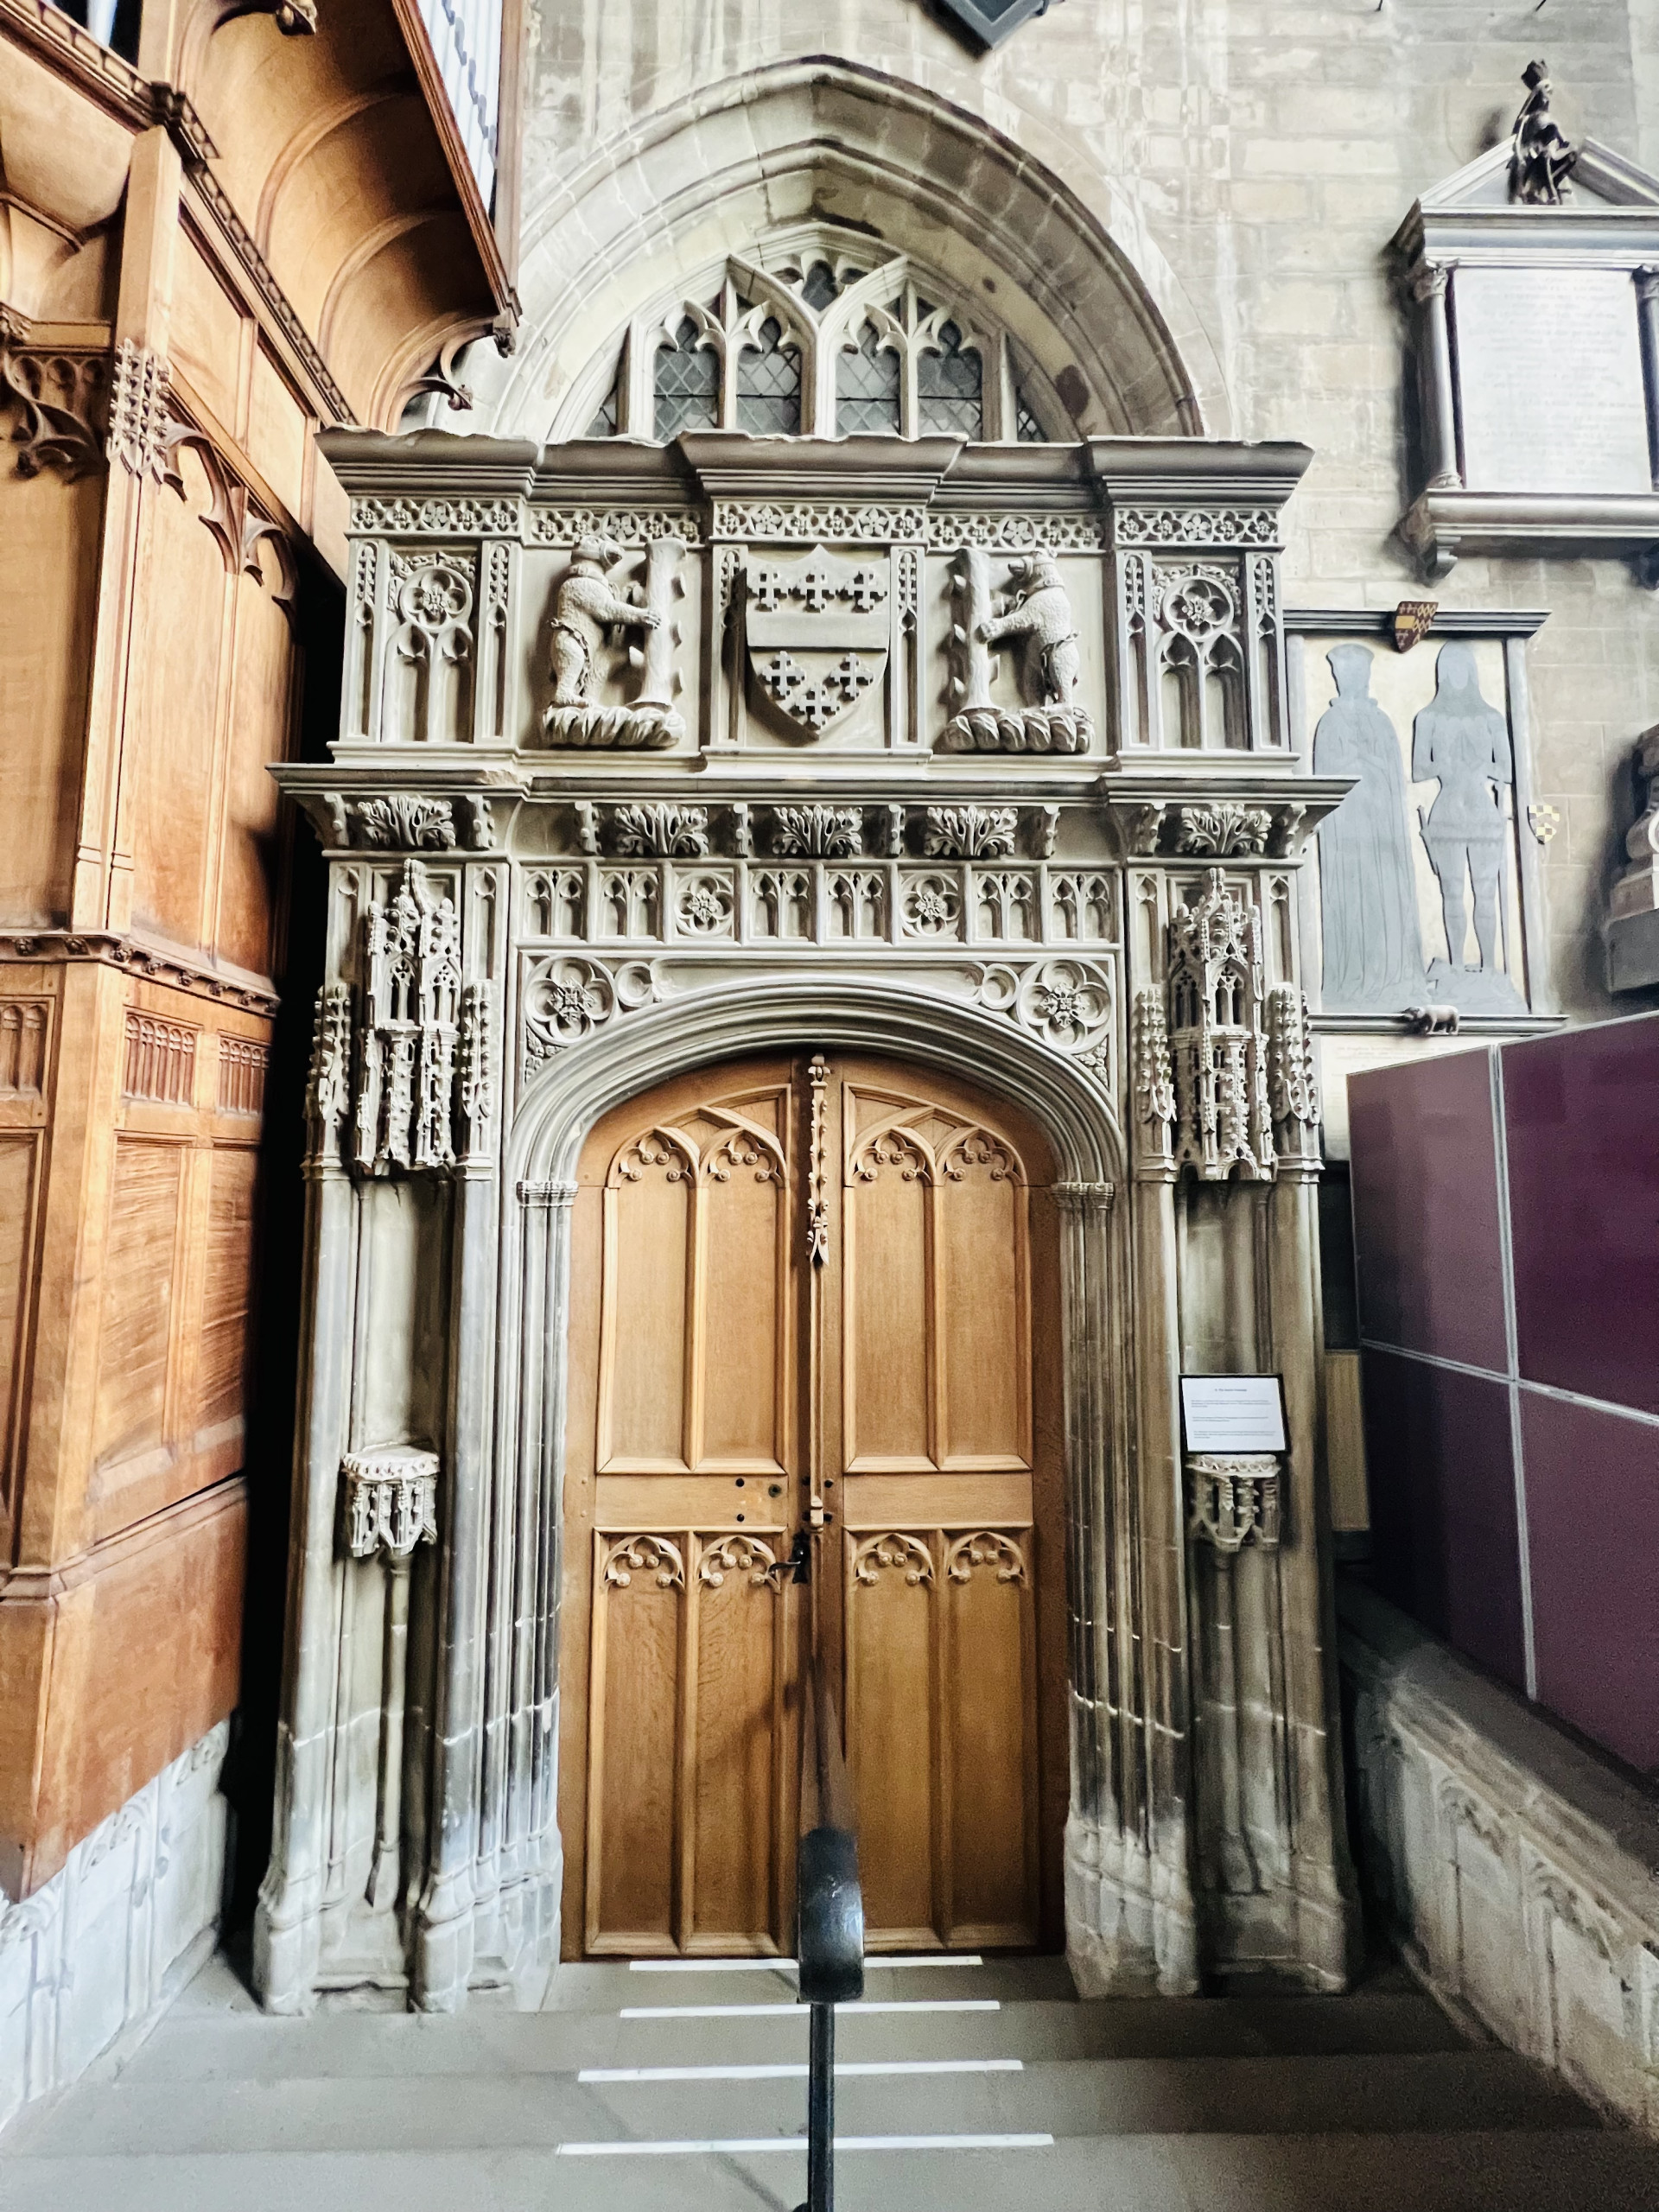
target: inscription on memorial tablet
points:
(1549, 375)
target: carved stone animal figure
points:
(586, 608)
(1039, 615)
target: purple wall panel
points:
(1593, 1518)
(1444, 1542)
(1582, 1116)
(1425, 1215)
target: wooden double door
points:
(814, 1398)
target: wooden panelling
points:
(279, 432)
(25, 1030)
(143, 1648)
(227, 1286)
(257, 733)
(49, 585)
(169, 786)
(135, 1329)
(159, 1059)
(698, 1322)
(243, 1065)
(19, 1173)
(209, 332)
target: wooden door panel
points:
(648, 1255)
(707, 1348)
(942, 1735)
(892, 1749)
(886, 1303)
(639, 1586)
(989, 1738)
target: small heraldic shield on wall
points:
(817, 632)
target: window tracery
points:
(817, 343)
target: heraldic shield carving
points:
(817, 633)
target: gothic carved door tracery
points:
(813, 1309)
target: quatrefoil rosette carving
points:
(1066, 1004)
(566, 999)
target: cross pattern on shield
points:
(818, 635)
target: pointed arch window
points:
(950, 387)
(869, 380)
(687, 383)
(769, 383)
(817, 342)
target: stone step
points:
(1575, 2171)
(1448, 2092)
(198, 2046)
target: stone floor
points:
(967, 2087)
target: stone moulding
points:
(620, 729)
(1027, 729)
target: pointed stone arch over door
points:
(814, 1309)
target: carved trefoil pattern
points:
(389, 1501)
(431, 646)
(406, 1041)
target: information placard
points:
(1233, 1413)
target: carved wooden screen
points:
(729, 1387)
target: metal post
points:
(820, 2112)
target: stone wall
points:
(1252, 162)
(116, 1931)
(1518, 1873)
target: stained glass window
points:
(769, 385)
(867, 388)
(950, 387)
(688, 385)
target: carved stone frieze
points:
(1015, 532)
(1222, 829)
(1195, 526)
(398, 821)
(436, 518)
(1233, 1500)
(389, 1501)
(626, 526)
(818, 832)
(659, 829)
(813, 522)
(969, 832)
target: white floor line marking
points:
(875, 2067)
(788, 1966)
(746, 2144)
(773, 2011)
(712, 1966)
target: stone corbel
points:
(389, 1499)
(1233, 1499)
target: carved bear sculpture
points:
(1039, 615)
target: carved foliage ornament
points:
(59, 395)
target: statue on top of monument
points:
(587, 607)
(1541, 156)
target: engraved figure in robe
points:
(1373, 947)
(1463, 742)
